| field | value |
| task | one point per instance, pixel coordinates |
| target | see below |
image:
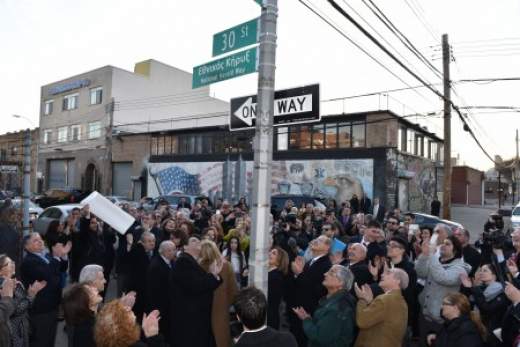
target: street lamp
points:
(26, 175)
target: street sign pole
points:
(263, 148)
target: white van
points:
(515, 217)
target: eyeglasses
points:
(444, 303)
(395, 245)
(393, 223)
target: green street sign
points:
(259, 2)
(239, 36)
(234, 65)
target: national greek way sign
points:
(231, 66)
(291, 106)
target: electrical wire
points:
(404, 40)
(416, 14)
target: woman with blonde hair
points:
(278, 267)
(116, 327)
(223, 296)
(462, 327)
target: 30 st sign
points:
(239, 36)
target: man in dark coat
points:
(158, 285)
(435, 206)
(354, 204)
(192, 298)
(357, 257)
(378, 210)
(365, 204)
(251, 309)
(88, 244)
(308, 287)
(138, 257)
(38, 266)
(469, 253)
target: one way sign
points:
(291, 106)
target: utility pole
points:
(516, 170)
(446, 197)
(263, 148)
(26, 180)
(109, 109)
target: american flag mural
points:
(176, 179)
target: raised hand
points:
(297, 265)
(512, 293)
(35, 287)
(150, 323)
(466, 281)
(128, 299)
(512, 267)
(301, 313)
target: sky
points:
(46, 41)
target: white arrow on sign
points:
(245, 112)
(283, 107)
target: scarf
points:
(493, 290)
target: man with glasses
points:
(308, 286)
(392, 226)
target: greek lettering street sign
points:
(259, 2)
(291, 106)
(239, 36)
(234, 65)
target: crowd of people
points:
(353, 274)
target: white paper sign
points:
(109, 212)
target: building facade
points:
(11, 161)
(467, 186)
(80, 115)
(374, 153)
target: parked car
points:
(53, 197)
(60, 213)
(34, 210)
(428, 221)
(278, 202)
(515, 217)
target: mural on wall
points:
(338, 179)
(420, 174)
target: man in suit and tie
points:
(365, 204)
(308, 285)
(158, 285)
(251, 309)
(39, 266)
(139, 256)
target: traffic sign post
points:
(239, 36)
(238, 64)
(291, 106)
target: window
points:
(433, 151)
(48, 107)
(358, 135)
(344, 135)
(300, 137)
(160, 145)
(47, 136)
(62, 134)
(3, 154)
(410, 137)
(14, 150)
(96, 96)
(207, 144)
(75, 132)
(401, 139)
(419, 147)
(282, 138)
(94, 130)
(318, 136)
(153, 149)
(70, 102)
(331, 135)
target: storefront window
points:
(153, 148)
(318, 136)
(358, 135)
(344, 135)
(160, 145)
(331, 136)
(175, 144)
(167, 144)
(300, 137)
(282, 138)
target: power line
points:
(404, 40)
(423, 22)
(334, 26)
(377, 32)
(384, 49)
